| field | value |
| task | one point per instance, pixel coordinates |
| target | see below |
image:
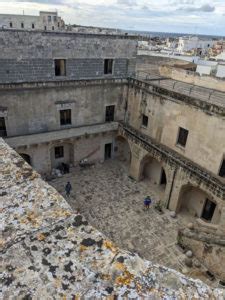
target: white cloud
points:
(202, 16)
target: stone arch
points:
(26, 157)
(62, 153)
(154, 170)
(122, 149)
(196, 203)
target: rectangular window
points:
(65, 117)
(59, 152)
(33, 25)
(22, 25)
(109, 113)
(55, 18)
(49, 18)
(222, 169)
(3, 132)
(58, 24)
(53, 28)
(60, 67)
(182, 137)
(144, 121)
(45, 27)
(10, 24)
(108, 66)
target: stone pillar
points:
(135, 165)
(221, 225)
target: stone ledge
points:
(206, 106)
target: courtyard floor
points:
(113, 203)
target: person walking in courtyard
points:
(147, 202)
(68, 189)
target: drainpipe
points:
(171, 189)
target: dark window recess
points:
(108, 151)
(108, 66)
(22, 25)
(59, 152)
(65, 117)
(55, 18)
(222, 169)
(208, 210)
(45, 27)
(33, 26)
(58, 24)
(11, 24)
(109, 113)
(49, 18)
(60, 67)
(3, 131)
(182, 137)
(53, 28)
(144, 121)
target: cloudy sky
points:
(187, 16)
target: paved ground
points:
(113, 203)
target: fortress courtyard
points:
(112, 202)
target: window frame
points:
(112, 66)
(142, 121)
(61, 152)
(68, 120)
(179, 138)
(3, 131)
(222, 166)
(109, 116)
(57, 64)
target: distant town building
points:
(186, 44)
(45, 21)
(206, 67)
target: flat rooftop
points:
(50, 251)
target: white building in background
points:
(190, 43)
(45, 21)
(205, 67)
(221, 56)
(221, 71)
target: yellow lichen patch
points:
(105, 277)
(82, 248)
(70, 231)
(57, 283)
(60, 213)
(32, 217)
(109, 245)
(2, 243)
(120, 266)
(41, 236)
(124, 279)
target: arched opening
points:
(62, 157)
(153, 171)
(122, 150)
(195, 203)
(26, 157)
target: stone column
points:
(135, 165)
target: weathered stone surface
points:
(44, 257)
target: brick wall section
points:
(43, 69)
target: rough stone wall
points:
(29, 56)
(51, 251)
(193, 78)
(35, 110)
(208, 248)
(166, 115)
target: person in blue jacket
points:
(147, 202)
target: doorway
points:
(163, 177)
(208, 210)
(108, 151)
